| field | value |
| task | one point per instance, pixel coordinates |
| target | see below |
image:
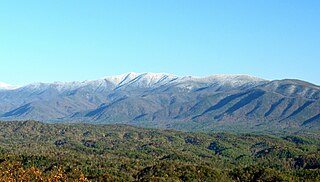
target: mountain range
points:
(218, 102)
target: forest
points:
(36, 151)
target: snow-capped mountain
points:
(166, 100)
(150, 80)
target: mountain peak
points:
(151, 75)
(136, 74)
(149, 79)
(145, 78)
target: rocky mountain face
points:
(220, 102)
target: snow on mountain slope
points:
(235, 80)
(147, 80)
(151, 80)
(5, 86)
(140, 79)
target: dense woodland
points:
(35, 151)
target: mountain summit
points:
(148, 80)
(215, 102)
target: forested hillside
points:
(31, 150)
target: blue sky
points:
(45, 41)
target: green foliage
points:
(256, 173)
(126, 153)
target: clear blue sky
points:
(45, 41)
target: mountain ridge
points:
(147, 75)
(169, 101)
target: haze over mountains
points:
(219, 102)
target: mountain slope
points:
(220, 102)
